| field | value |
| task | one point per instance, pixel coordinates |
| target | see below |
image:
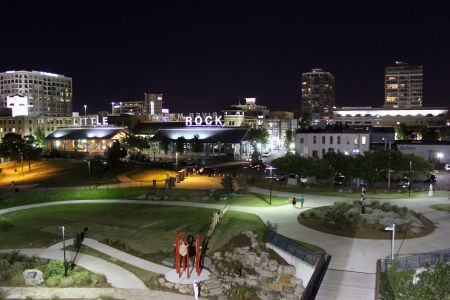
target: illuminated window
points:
(356, 141)
(363, 140)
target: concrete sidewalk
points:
(117, 276)
(117, 254)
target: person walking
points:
(196, 289)
(363, 201)
(302, 200)
(294, 202)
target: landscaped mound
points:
(345, 219)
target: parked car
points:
(209, 171)
(266, 154)
(447, 167)
(258, 166)
(339, 178)
(280, 177)
(404, 182)
(303, 179)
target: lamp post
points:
(410, 179)
(64, 249)
(270, 168)
(85, 108)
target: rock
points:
(33, 277)
(273, 265)
(287, 295)
(299, 289)
(286, 269)
(265, 274)
(184, 290)
(218, 255)
(169, 285)
(207, 262)
(226, 285)
(250, 259)
(251, 280)
(161, 281)
(228, 254)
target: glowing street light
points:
(85, 107)
(270, 168)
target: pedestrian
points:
(294, 202)
(302, 200)
(196, 289)
(363, 205)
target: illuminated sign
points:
(204, 121)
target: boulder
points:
(273, 265)
(250, 259)
(33, 277)
(251, 280)
(161, 281)
(218, 255)
(286, 269)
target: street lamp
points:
(64, 249)
(85, 107)
(270, 168)
(410, 179)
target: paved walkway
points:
(352, 268)
(119, 255)
(117, 276)
(91, 293)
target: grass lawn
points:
(56, 172)
(356, 194)
(444, 207)
(146, 228)
(29, 196)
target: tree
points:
(305, 120)
(12, 146)
(40, 138)
(429, 134)
(227, 184)
(197, 144)
(402, 132)
(30, 150)
(164, 144)
(288, 139)
(115, 152)
(242, 183)
(179, 144)
(257, 135)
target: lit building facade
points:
(403, 86)
(248, 114)
(151, 105)
(48, 94)
(388, 117)
(316, 142)
(318, 93)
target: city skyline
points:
(208, 56)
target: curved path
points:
(353, 263)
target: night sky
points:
(205, 56)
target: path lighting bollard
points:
(154, 183)
(64, 249)
(392, 228)
(270, 168)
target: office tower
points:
(403, 85)
(48, 94)
(318, 93)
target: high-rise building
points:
(318, 93)
(403, 85)
(152, 105)
(48, 94)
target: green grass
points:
(443, 207)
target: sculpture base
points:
(172, 276)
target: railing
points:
(415, 261)
(314, 283)
(293, 248)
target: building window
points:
(363, 140)
(331, 150)
(323, 152)
(331, 140)
(356, 142)
(339, 140)
(323, 139)
(314, 139)
(302, 140)
(314, 153)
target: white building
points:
(48, 94)
(18, 105)
(391, 117)
(314, 142)
(433, 151)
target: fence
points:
(294, 249)
(415, 261)
(314, 283)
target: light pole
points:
(85, 108)
(64, 249)
(410, 179)
(270, 168)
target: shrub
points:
(386, 207)
(81, 278)
(54, 268)
(3, 295)
(18, 267)
(97, 278)
(66, 282)
(4, 264)
(402, 211)
(56, 298)
(105, 297)
(17, 280)
(375, 204)
(53, 280)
